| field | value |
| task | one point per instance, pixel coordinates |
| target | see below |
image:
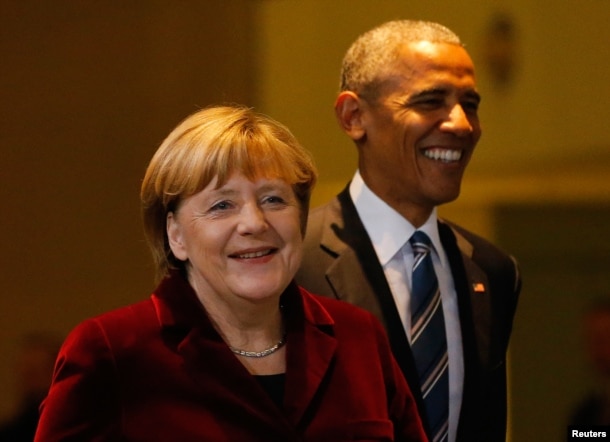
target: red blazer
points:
(159, 371)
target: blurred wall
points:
(89, 90)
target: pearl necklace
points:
(260, 354)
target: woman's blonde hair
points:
(217, 142)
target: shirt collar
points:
(387, 229)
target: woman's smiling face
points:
(240, 240)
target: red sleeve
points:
(82, 403)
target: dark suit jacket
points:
(159, 371)
(340, 262)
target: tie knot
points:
(420, 242)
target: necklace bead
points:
(260, 354)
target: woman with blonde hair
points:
(228, 347)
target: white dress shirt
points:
(390, 232)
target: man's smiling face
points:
(420, 131)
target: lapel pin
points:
(478, 287)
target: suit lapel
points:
(357, 277)
(474, 301)
(355, 269)
(474, 298)
(356, 274)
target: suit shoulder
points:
(499, 265)
(319, 217)
(339, 310)
(319, 211)
(481, 245)
(318, 255)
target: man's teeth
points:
(254, 254)
(446, 155)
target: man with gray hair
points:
(446, 296)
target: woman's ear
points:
(348, 109)
(175, 237)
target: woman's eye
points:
(273, 199)
(221, 205)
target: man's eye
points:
(471, 106)
(434, 101)
(429, 103)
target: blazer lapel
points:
(209, 365)
(310, 351)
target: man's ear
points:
(348, 109)
(174, 237)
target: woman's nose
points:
(252, 220)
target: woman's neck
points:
(251, 327)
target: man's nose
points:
(457, 121)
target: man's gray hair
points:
(375, 49)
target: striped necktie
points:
(428, 338)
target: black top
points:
(274, 386)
